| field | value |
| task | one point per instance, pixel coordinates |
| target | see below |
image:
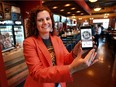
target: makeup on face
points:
(44, 22)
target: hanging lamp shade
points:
(92, 0)
(97, 9)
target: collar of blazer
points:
(45, 51)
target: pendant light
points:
(92, 0)
(97, 9)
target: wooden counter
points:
(15, 67)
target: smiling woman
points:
(44, 24)
(49, 62)
(34, 19)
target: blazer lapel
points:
(56, 48)
(44, 50)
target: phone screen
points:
(86, 37)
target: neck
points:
(45, 36)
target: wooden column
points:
(3, 79)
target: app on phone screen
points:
(86, 38)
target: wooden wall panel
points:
(15, 67)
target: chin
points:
(45, 32)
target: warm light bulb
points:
(92, 0)
(97, 9)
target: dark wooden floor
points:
(97, 75)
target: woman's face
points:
(44, 22)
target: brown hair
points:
(31, 24)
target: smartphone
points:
(86, 37)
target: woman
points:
(48, 61)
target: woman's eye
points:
(39, 20)
(47, 18)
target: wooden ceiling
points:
(84, 6)
(60, 6)
(67, 10)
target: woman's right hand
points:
(80, 63)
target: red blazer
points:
(38, 60)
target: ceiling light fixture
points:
(66, 5)
(78, 11)
(73, 17)
(97, 9)
(55, 7)
(80, 18)
(68, 12)
(106, 14)
(92, 0)
(73, 8)
(82, 13)
(73, 14)
(62, 10)
(91, 18)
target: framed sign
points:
(7, 11)
(7, 16)
(15, 9)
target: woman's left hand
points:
(80, 63)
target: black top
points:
(48, 44)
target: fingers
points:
(89, 54)
(79, 43)
(93, 57)
(93, 37)
(90, 57)
(79, 53)
(93, 42)
(94, 45)
(96, 60)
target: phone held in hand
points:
(86, 37)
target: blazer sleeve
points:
(68, 58)
(38, 71)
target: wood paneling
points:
(15, 67)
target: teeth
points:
(45, 26)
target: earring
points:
(51, 30)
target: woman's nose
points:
(45, 21)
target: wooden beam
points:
(96, 16)
(106, 10)
(84, 5)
